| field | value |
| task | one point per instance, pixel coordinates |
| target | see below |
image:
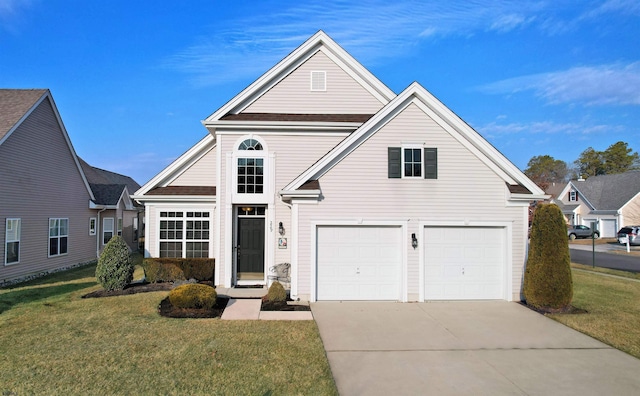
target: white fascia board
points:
(289, 194)
(93, 205)
(564, 191)
(171, 172)
(175, 198)
(528, 197)
(287, 133)
(290, 62)
(637, 196)
(284, 125)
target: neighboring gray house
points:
(367, 194)
(117, 214)
(610, 201)
(48, 210)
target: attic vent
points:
(318, 80)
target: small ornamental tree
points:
(547, 280)
(115, 268)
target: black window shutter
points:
(430, 163)
(394, 160)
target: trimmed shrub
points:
(176, 269)
(276, 292)
(193, 295)
(115, 268)
(547, 280)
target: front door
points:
(250, 249)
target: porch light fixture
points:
(281, 228)
(414, 241)
(247, 209)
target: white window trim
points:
(573, 196)
(57, 237)
(93, 226)
(402, 162)
(314, 75)
(267, 186)
(184, 220)
(8, 241)
(106, 229)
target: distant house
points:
(367, 194)
(117, 214)
(48, 209)
(609, 201)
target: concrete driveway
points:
(465, 348)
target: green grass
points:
(613, 306)
(54, 342)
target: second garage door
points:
(464, 263)
(358, 262)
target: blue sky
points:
(133, 79)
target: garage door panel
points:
(358, 262)
(464, 263)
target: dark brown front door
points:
(250, 249)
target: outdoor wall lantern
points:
(281, 228)
(414, 241)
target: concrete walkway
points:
(465, 348)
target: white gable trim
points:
(179, 166)
(458, 129)
(318, 42)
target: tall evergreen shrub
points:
(547, 280)
(115, 268)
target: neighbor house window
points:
(120, 226)
(92, 226)
(107, 230)
(573, 196)
(58, 236)
(412, 162)
(184, 234)
(12, 241)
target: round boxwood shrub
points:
(193, 295)
(115, 268)
(547, 280)
(276, 292)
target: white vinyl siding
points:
(466, 190)
(31, 189)
(343, 94)
(12, 241)
(201, 173)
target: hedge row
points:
(174, 269)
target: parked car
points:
(629, 232)
(581, 231)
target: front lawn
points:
(54, 342)
(613, 305)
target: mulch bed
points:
(569, 310)
(167, 310)
(282, 306)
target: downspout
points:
(98, 233)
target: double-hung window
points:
(107, 230)
(573, 195)
(12, 241)
(412, 161)
(58, 236)
(184, 234)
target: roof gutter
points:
(289, 194)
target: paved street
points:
(583, 254)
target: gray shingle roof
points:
(609, 192)
(14, 104)
(107, 186)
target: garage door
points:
(608, 228)
(358, 262)
(464, 263)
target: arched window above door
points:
(250, 144)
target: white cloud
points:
(537, 129)
(613, 84)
